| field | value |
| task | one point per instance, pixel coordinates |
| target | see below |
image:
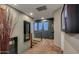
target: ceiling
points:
(31, 8)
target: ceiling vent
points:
(42, 8)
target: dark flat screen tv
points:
(70, 18)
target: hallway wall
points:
(71, 43)
(18, 30)
(57, 26)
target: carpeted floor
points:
(46, 46)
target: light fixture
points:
(15, 4)
(31, 13)
(42, 18)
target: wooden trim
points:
(30, 40)
(62, 51)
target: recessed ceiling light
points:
(42, 18)
(31, 14)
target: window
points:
(35, 26)
(45, 26)
(40, 26)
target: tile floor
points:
(46, 46)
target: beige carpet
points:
(46, 46)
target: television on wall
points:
(70, 18)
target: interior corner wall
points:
(19, 29)
(23, 46)
(57, 26)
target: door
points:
(44, 29)
(41, 29)
(38, 29)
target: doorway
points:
(27, 31)
(44, 29)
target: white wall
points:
(22, 46)
(71, 43)
(57, 26)
(19, 29)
